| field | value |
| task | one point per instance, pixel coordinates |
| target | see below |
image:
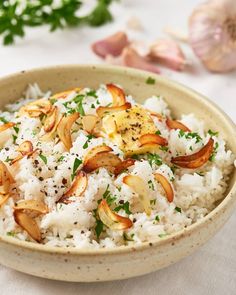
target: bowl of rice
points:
(108, 173)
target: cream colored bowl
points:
(71, 264)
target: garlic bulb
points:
(212, 34)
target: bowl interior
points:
(180, 99)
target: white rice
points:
(196, 190)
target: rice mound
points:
(196, 191)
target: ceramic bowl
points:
(69, 264)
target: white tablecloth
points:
(212, 269)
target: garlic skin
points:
(212, 34)
(112, 45)
(132, 59)
(167, 52)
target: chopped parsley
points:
(92, 93)
(108, 196)
(150, 81)
(153, 202)
(178, 209)
(213, 155)
(154, 159)
(85, 146)
(125, 207)
(79, 101)
(76, 165)
(10, 233)
(173, 168)
(8, 159)
(190, 135)
(93, 106)
(3, 120)
(162, 235)
(53, 100)
(43, 158)
(16, 128)
(163, 148)
(128, 238)
(157, 218)
(151, 185)
(61, 159)
(98, 227)
(158, 132)
(181, 133)
(212, 133)
(14, 138)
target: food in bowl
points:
(92, 168)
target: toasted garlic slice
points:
(64, 94)
(173, 124)
(197, 159)
(102, 159)
(118, 95)
(28, 224)
(137, 184)
(64, 129)
(89, 122)
(145, 148)
(124, 165)
(157, 115)
(49, 135)
(109, 125)
(111, 219)
(96, 150)
(32, 205)
(78, 187)
(166, 186)
(102, 111)
(36, 108)
(152, 138)
(6, 179)
(25, 147)
(3, 198)
(51, 119)
(6, 126)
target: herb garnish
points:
(15, 17)
(150, 81)
(43, 158)
(76, 165)
(3, 120)
(157, 218)
(90, 136)
(125, 207)
(212, 133)
(213, 155)
(154, 159)
(98, 227)
(189, 135)
(151, 185)
(108, 196)
(92, 93)
(178, 209)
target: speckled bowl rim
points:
(153, 242)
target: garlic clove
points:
(132, 59)
(112, 45)
(168, 53)
(212, 34)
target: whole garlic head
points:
(212, 34)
